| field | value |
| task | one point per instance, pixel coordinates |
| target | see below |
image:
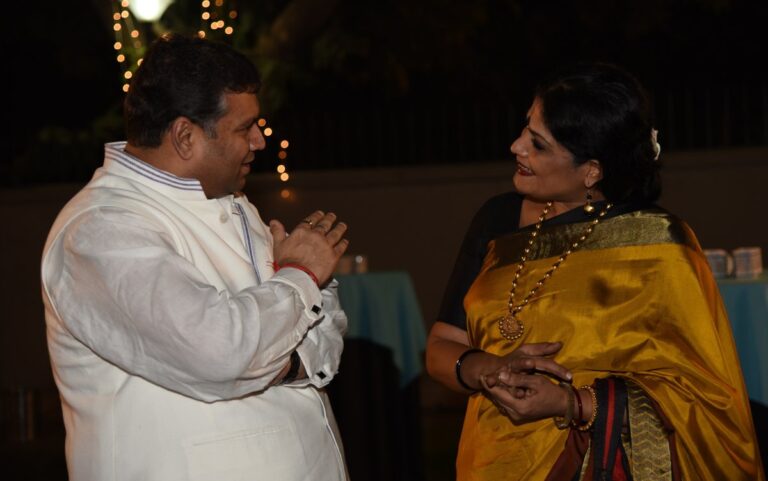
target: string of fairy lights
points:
(128, 43)
(215, 17)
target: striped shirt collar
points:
(118, 161)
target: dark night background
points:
(366, 83)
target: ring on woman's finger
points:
(307, 221)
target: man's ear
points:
(594, 173)
(182, 135)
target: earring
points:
(588, 207)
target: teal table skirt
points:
(382, 308)
(747, 304)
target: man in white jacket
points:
(189, 341)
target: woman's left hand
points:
(525, 397)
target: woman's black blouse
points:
(498, 216)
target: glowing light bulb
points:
(149, 10)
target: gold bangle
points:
(593, 395)
(562, 422)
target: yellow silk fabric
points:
(636, 300)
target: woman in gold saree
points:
(582, 319)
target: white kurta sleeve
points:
(320, 351)
(118, 285)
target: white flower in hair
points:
(656, 144)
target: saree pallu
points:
(636, 301)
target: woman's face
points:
(545, 169)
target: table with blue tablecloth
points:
(747, 304)
(375, 395)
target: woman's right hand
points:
(535, 358)
(527, 387)
(526, 359)
(446, 343)
(527, 397)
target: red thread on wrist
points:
(275, 266)
(303, 269)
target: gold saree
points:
(637, 301)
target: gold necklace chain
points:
(510, 326)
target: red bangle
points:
(303, 269)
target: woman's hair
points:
(601, 112)
(183, 76)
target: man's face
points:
(224, 160)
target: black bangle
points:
(293, 370)
(458, 368)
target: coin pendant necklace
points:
(510, 326)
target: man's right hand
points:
(316, 243)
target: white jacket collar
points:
(118, 162)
